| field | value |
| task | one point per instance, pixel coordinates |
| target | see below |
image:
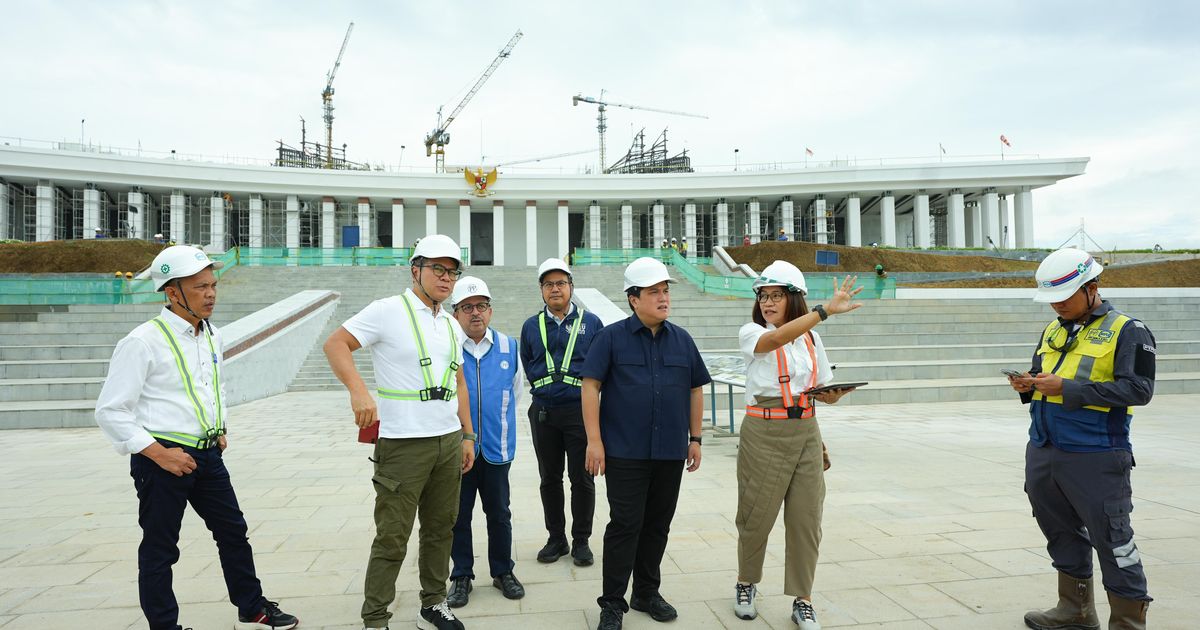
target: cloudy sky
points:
(1118, 82)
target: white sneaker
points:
(804, 616)
(743, 600)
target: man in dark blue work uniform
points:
(554, 345)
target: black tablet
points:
(828, 388)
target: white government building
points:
(69, 191)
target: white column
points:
(430, 217)
(1005, 237)
(255, 238)
(91, 210)
(364, 222)
(887, 219)
(398, 223)
(1023, 218)
(854, 221)
(5, 215)
(787, 217)
(44, 219)
(820, 219)
(722, 223)
(921, 220)
(464, 228)
(531, 233)
(956, 235)
(991, 219)
(498, 233)
(974, 224)
(178, 218)
(755, 228)
(627, 226)
(216, 222)
(564, 236)
(291, 227)
(328, 228)
(136, 217)
(659, 224)
(689, 227)
(594, 226)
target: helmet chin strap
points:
(421, 287)
(184, 304)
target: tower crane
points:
(327, 99)
(438, 137)
(545, 157)
(602, 117)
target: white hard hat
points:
(469, 286)
(782, 274)
(646, 272)
(553, 264)
(436, 246)
(1062, 273)
(179, 261)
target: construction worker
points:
(162, 404)
(643, 399)
(683, 246)
(782, 235)
(1091, 366)
(554, 345)
(665, 244)
(425, 439)
(746, 241)
(880, 273)
(675, 244)
(492, 370)
(781, 459)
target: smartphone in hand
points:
(1012, 373)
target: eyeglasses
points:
(1068, 343)
(774, 296)
(556, 284)
(441, 270)
(480, 308)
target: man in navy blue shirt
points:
(650, 376)
(554, 345)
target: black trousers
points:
(1082, 502)
(642, 495)
(162, 498)
(490, 481)
(558, 440)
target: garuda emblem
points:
(480, 182)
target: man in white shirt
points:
(425, 439)
(492, 367)
(162, 405)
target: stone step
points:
(53, 369)
(55, 352)
(729, 342)
(48, 414)
(972, 368)
(45, 389)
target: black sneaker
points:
(269, 618)
(460, 589)
(610, 619)
(438, 617)
(655, 606)
(582, 554)
(553, 550)
(509, 585)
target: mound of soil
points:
(78, 256)
(1173, 273)
(864, 259)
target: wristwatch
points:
(470, 436)
(820, 310)
(695, 438)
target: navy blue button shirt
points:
(533, 355)
(647, 382)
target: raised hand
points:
(842, 294)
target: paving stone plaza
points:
(926, 526)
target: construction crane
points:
(438, 137)
(602, 117)
(327, 99)
(545, 157)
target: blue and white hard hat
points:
(1063, 272)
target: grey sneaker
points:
(743, 601)
(804, 616)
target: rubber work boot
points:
(1076, 609)
(1127, 614)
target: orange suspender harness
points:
(793, 407)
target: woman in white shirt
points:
(781, 459)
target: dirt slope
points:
(78, 256)
(1174, 273)
(864, 259)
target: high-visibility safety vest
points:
(209, 432)
(445, 391)
(793, 406)
(1088, 356)
(493, 409)
(554, 374)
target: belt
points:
(780, 413)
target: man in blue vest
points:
(554, 344)
(491, 367)
(1091, 366)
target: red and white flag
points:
(808, 151)
(1005, 141)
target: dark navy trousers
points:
(490, 481)
(162, 499)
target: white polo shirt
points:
(144, 391)
(762, 370)
(383, 327)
